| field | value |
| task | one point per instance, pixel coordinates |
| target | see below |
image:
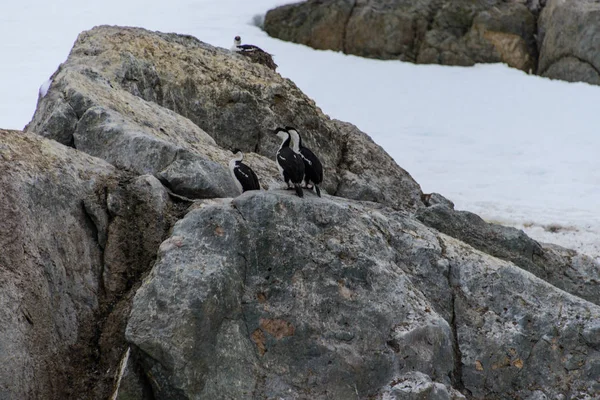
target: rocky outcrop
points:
(170, 105)
(115, 284)
(272, 296)
(429, 31)
(558, 39)
(570, 38)
(563, 268)
(76, 236)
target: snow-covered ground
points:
(513, 148)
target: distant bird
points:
(254, 53)
(244, 178)
(313, 169)
(289, 162)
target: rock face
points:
(66, 261)
(170, 105)
(558, 39)
(115, 284)
(565, 269)
(570, 39)
(426, 31)
(271, 296)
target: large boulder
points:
(569, 34)
(427, 31)
(272, 296)
(172, 106)
(76, 235)
(566, 269)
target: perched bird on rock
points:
(243, 176)
(289, 162)
(254, 53)
(313, 169)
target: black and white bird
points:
(243, 176)
(313, 169)
(289, 162)
(254, 53)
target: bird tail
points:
(299, 191)
(318, 190)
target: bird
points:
(289, 162)
(243, 176)
(254, 53)
(313, 169)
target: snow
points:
(514, 148)
(44, 88)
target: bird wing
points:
(313, 161)
(249, 47)
(254, 179)
(246, 175)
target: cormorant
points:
(254, 53)
(289, 162)
(313, 169)
(244, 177)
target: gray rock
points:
(131, 384)
(418, 386)
(431, 199)
(138, 99)
(572, 69)
(517, 333)
(427, 31)
(196, 177)
(269, 296)
(238, 304)
(569, 36)
(76, 236)
(563, 268)
(50, 262)
(369, 173)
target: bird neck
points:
(238, 157)
(295, 139)
(285, 142)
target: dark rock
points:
(460, 32)
(562, 268)
(569, 35)
(431, 199)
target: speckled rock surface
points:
(156, 103)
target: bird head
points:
(238, 154)
(281, 133)
(237, 41)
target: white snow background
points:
(514, 148)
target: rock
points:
(569, 36)
(244, 302)
(427, 31)
(417, 386)
(148, 101)
(131, 383)
(369, 173)
(269, 296)
(265, 295)
(76, 235)
(563, 268)
(320, 25)
(431, 199)
(517, 334)
(50, 263)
